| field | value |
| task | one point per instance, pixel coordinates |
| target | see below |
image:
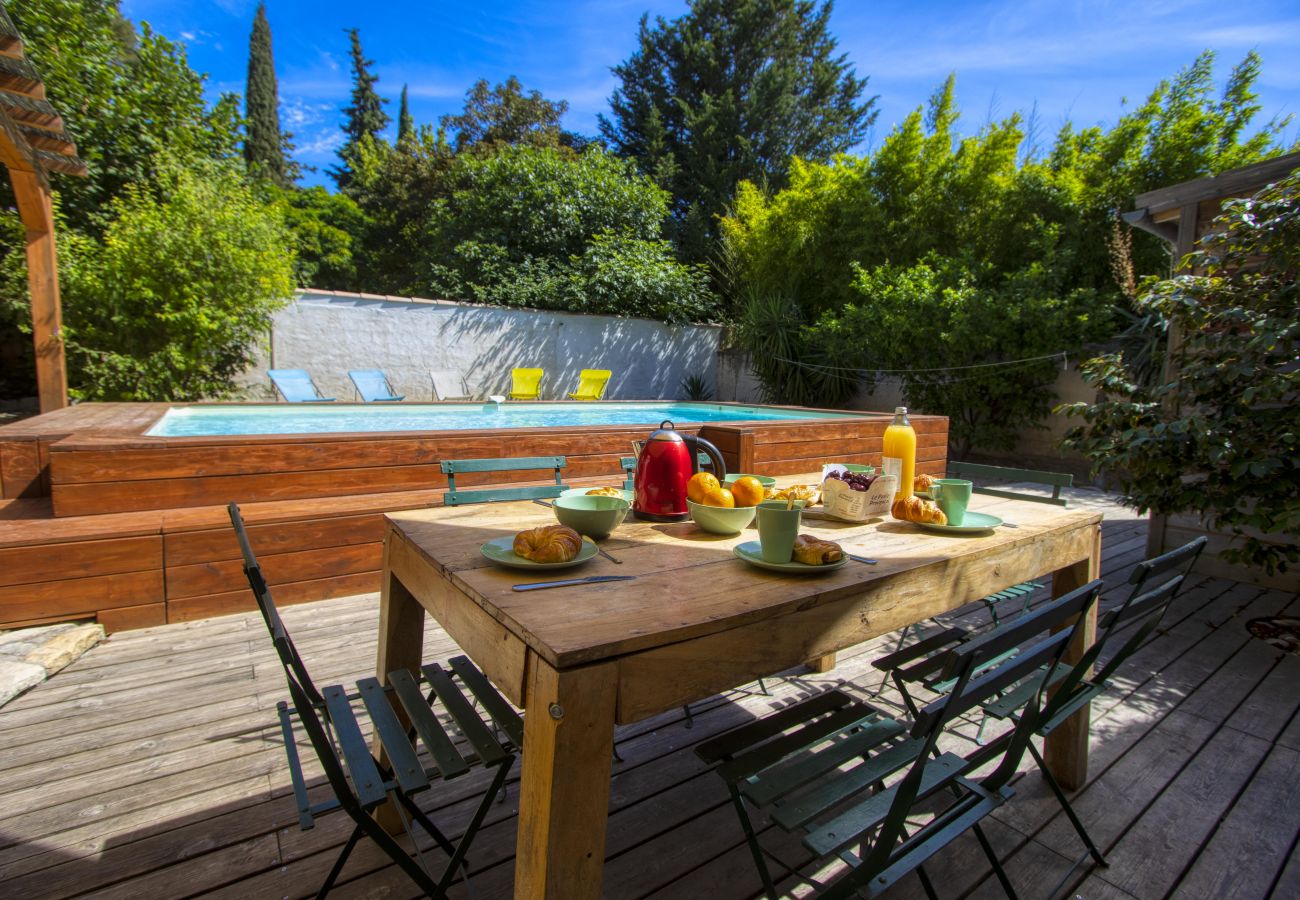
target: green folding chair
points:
(360, 784)
(458, 497)
(848, 778)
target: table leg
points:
(401, 645)
(1066, 748)
(564, 791)
(822, 663)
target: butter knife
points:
(591, 579)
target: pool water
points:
(294, 418)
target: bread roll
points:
(813, 551)
(548, 544)
(922, 482)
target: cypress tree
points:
(405, 124)
(730, 91)
(366, 116)
(264, 146)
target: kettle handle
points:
(696, 444)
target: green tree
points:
(731, 91)
(328, 231)
(546, 228)
(171, 304)
(266, 148)
(502, 115)
(129, 97)
(395, 188)
(365, 116)
(1222, 440)
(405, 124)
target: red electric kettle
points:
(667, 462)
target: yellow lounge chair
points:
(526, 384)
(591, 384)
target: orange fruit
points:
(748, 491)
(719, 496)
(699, 485)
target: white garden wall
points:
(327, 333)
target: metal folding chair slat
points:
(502, 713)
(504, 464)
(772, 752)
(920, 648)
(467, 720)
(305, 818)
(497, 494)
(406, 766)
(441, 747)
(727, 745)
(841, 785)
(847, 826)
(356, 755)
(787, 777)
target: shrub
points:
(1221, 440)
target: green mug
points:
(952, 495)
(777, 529)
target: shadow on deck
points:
(152, 767)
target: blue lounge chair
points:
(373, 386)
(296, 386)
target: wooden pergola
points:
(33, 144)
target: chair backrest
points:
(295, 670)
(526, 381)
(372, 385)
(969, 692)
(1156, 583)
(456, 497)
(591, 383)
(973, 471)
(449, 386)
(295, 385)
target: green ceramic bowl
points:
(765, 480)
(721, 519)
(595, 517)
(629, 496)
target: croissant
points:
(605, 492)
(813, 551)
(922, 482)
(548, 544)
(915, 509)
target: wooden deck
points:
(151, 767)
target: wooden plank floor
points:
(151, 767)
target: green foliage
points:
(174, 300)
(395, 188)
(364, 117)
(130, 99)
(265, 148)
(544, 228)
(405, 124)
(326, 230)
(937, 313)
(729, 92)
(773, 329)
(994, 258)
(495, 117)
(696, 387)
(1222, 439)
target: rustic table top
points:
(688, 583)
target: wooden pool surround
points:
(98, 520)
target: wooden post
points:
(564, 790)
(37, 212)
(1066, 749)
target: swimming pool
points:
(292, 418)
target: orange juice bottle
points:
(898, 457)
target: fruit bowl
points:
(764, 480)
(721, 519)
(595, 517)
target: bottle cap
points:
(900, 409)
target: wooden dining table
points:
(695, 621)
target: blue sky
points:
(1075, 60)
